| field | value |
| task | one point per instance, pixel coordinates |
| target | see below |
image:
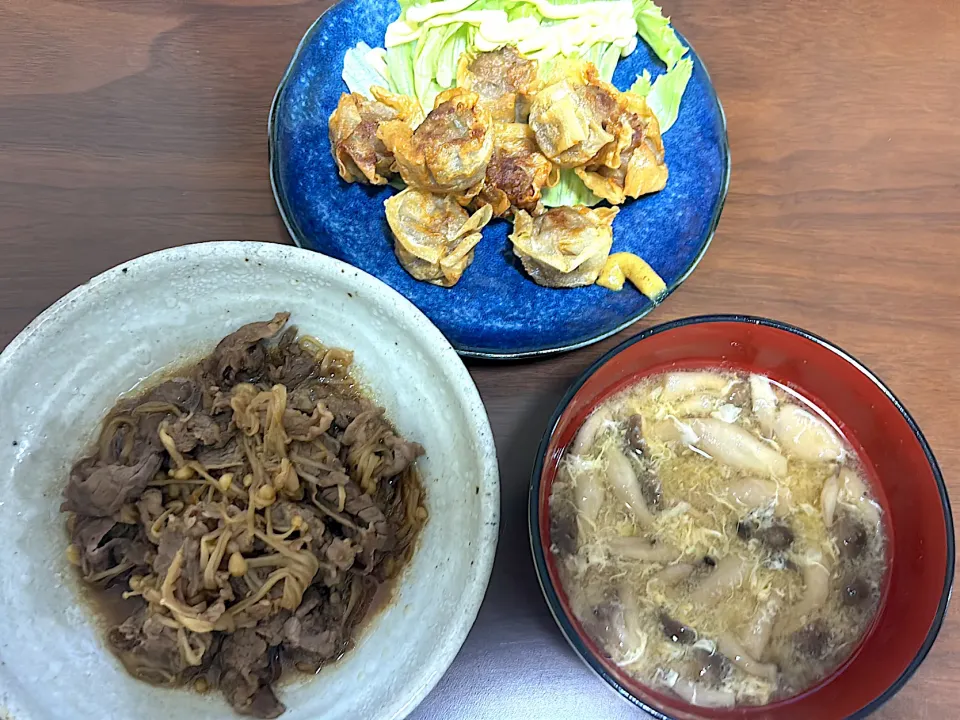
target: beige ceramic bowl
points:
(60, 376)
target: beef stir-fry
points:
(249, 509)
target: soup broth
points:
(716, 536)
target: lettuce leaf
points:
(435, 59)
(399, 60)
(448, 57)
(428, 47)
(359, 73)
(605, 57)
(656, 32)
(404, 4)
(569, 191)
(665, 93)
(641, 85)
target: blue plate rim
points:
(299, 238)
(539, 552)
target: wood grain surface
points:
(129, 126)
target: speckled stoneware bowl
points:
(60, 376)
(496, 310)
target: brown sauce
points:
(244, 516)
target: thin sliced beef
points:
(341, 552)
(171, 540)
(89, 532)
(240, 356)
(271, 629)
(117, 440)
(319, 631)
(104, 545)
(294, 365)
(150, 506)
(324, 453)
(191, 576)
(106, 489)
(307, 427)
(371, 431)
(247, 669)
(228, 456)
(345, 408)
(149, 650)
(375, 533)
(314, 633)
(198, 429)
(148, 429)
(365, 428)
(182, 393)
(310, 519)
(399, 455)
(357, 504)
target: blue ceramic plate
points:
(495, 311)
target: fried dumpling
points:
(641, 168)
(504, 79)
(565, 246)
(517, 172)
(360, 155)
(449, 151)
(576, 116)
(434, 236)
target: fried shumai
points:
(360, 155)
(576, 117)
(565, 246)
(641, 168)
(517, 172)
(449, 151)
(434, 236)
(504, 79)
(491, 146)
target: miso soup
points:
(717, 537)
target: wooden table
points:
(129, 126)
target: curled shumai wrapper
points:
(449, 151)
(433, 235)
(641, 168)
(576, 116)
(517, 172)
(505, 80)
(565, 246)
(361, 156)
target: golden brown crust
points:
(565, 246)
(434, 237)
(517, 172)
(504, 79)
(360, 155)
(576, 116)
(641, 168)
(449, 151)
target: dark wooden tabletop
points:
(129, 126)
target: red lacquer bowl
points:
(903, 470)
